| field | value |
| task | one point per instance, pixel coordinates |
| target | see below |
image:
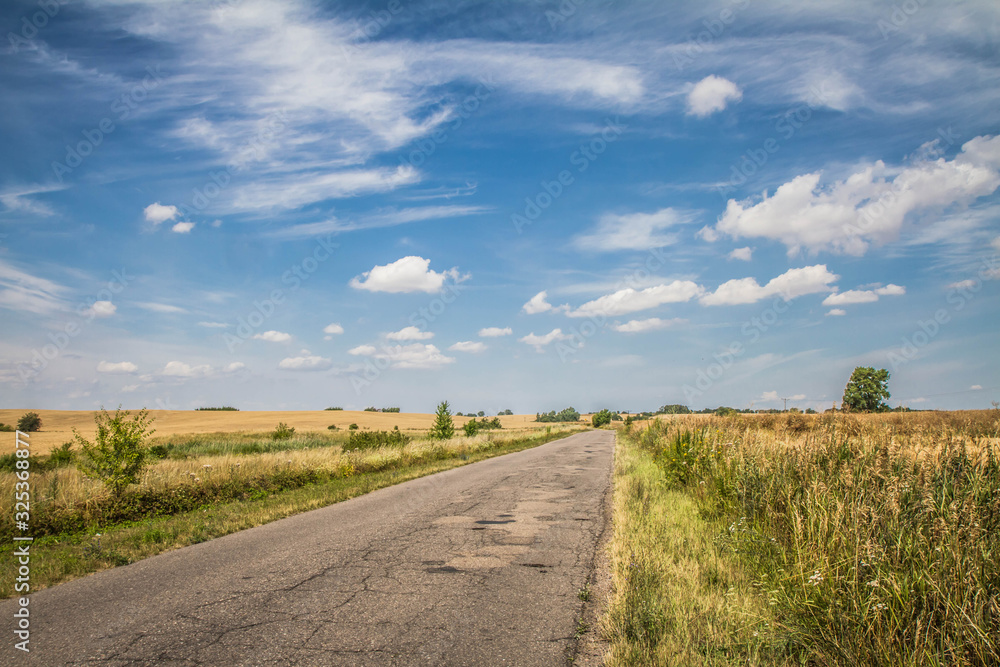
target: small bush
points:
(602, 418)
(352, 427)
(332, 427)
(283, 432)
(159, 452)
(118, 456)
(6, 428)
(29, 421)
(63, 456)
(471, 427)
(444, 427)
(372, 439)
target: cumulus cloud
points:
(103, 309)
(836, 312)
(711, 94)
(742, 254)
(182, 227)
(629, 300)
(333, 329)
(633, 231)
(311, 363)
(976, 387)
(962, 284)
(158, 213)
(869, 207)
(495, 332)
(410, 333)
(182, 370)
(409, 274)
(234, 367)
(415, 355)
(789, 285)
(537, 304)
(863, 296)
(539, 342)
(468, 346)
(273, 336)
(117, 368)
(651, 324)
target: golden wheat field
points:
(58, 425)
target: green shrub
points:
(371, 409)
(471, 427)
(118, 456)
(283, 432)
(6, 428)
(444, 427)
(352, 427)
(29, 421)
(602, 418)
(332, 427)
(372, 439)
(333, 408)
(63, 456)
(159, 451)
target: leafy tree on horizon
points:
(867, 390)
(444, 427)
(29, 422)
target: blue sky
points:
(524, 205)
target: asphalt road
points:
(480, 565)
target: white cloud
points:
(537, 304)
(120, 367)
(651, 324)
(213, 325)
(769, 396)
(18, 199)
(280, 192)
(333, 329)
(634, 231)
(129, 388)
(963, 284)
(409, 274)
(158, 213)
(976, 387)
(540, 341)
(495, 332)
(789, 285)
(468, 346)
(103, 309)
(629, 300)
(22, 291)
(711, 94)
(868, 207)
(379, 219)
(863, 296)
(273, 336)
(742, 254)
(305, 364)
(161, 308)
(182, 227)
(415, 355)
(836, 312)
(410, 333)
(234, 367)
(181, 369)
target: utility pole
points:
(786, 404)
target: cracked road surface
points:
(479, 565)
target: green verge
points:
(70, 555)
(676, 598)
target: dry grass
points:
(58, 425)
(873, 539)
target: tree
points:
(118, 456)
(867, 390)
(29, 421)
(444, 427)
(601, 418)
(471, 427)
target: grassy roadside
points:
(68, 555)
(675, 600)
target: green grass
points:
(871, 540)
(241, 444)
(68, 555)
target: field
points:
(204, 481)
(57, 425)
(821, 540)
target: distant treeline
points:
(224, 408)
(374, 409)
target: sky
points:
(507, 205)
